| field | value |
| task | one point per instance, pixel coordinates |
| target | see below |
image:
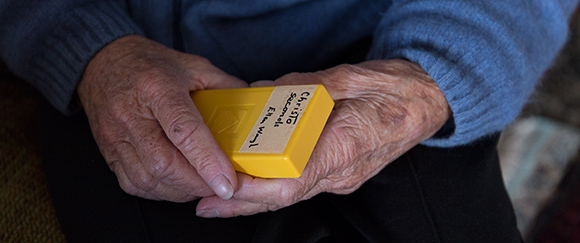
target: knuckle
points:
(184, 131)
(346, 187)
(160, 168)
(294, 76)
(204, 161)
(349, 189)
(202, 165)
(183, 128)
(129, 188)
(160, 165)
(143, 180)
(157, 160)
(344, 183)
(269, 208)
(152, 83)
(345, 70)
(287, 197)
(199, 60)
(113, 164)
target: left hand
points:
(135, 93)
(383, 109)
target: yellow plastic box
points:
(267, 132)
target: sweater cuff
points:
(66, 52)
(486, 63)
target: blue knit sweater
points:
(485, 55)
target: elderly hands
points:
(383, 108)
(136, 95)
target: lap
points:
(427, 195)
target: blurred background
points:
(539, 154)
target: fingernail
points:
(222, 187)
(210, 213)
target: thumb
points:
(185, 128)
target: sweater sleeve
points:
(49, 43)
(485, 55)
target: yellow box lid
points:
(267, 132)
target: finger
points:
(211, 77)
(334, 80)
(212, 207)
(135, 180)
(116, 165)
(255, 195)
(115, 160)
(162, 192)
(163, 161)
(224, 81)
(262, 83)
(127, 185)
(280, 192)
(185, 128)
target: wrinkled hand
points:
(383, 109)
(135, 93)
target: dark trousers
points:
(427, 195)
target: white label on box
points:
(278, 119)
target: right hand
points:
(135, 93)
(383, 108)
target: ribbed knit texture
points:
(52, 48)
(485, 55)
